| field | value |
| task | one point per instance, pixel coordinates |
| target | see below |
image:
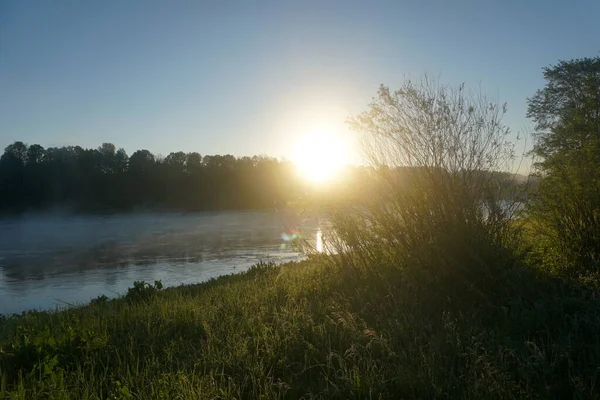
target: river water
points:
(50, 262)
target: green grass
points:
(312, 329)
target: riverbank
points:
(91, 256)
(309, 329)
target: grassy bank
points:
(312, 330)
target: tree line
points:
(106, 179)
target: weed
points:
(142, 291)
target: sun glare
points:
(319, 156)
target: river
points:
(50, 262)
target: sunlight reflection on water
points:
(319, 241)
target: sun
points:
(320, 155)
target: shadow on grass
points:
(321, 330)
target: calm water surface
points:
(50, 262)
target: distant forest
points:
(72, 180)
(106, 179)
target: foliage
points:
(566, 206)
(440, 214)
(108, 180)
(450, 145)
(143, 291)
(312, 330)
(100, 299)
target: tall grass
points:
(311, 330)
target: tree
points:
(12, 176)
(193, 163)
(566, 206)
(35, 154)
(566, 111)
(121, 160)
(141, 161)
(15, 153)
(107, 157)
(177, 160)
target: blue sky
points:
(250, 77)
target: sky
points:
(252, 77)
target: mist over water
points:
(49, 261)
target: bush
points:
(439, 213)
(102, 299)
(142, 291)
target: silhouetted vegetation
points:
(107, 179)
(103, 180)
(433, 285)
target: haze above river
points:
(48, 262)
